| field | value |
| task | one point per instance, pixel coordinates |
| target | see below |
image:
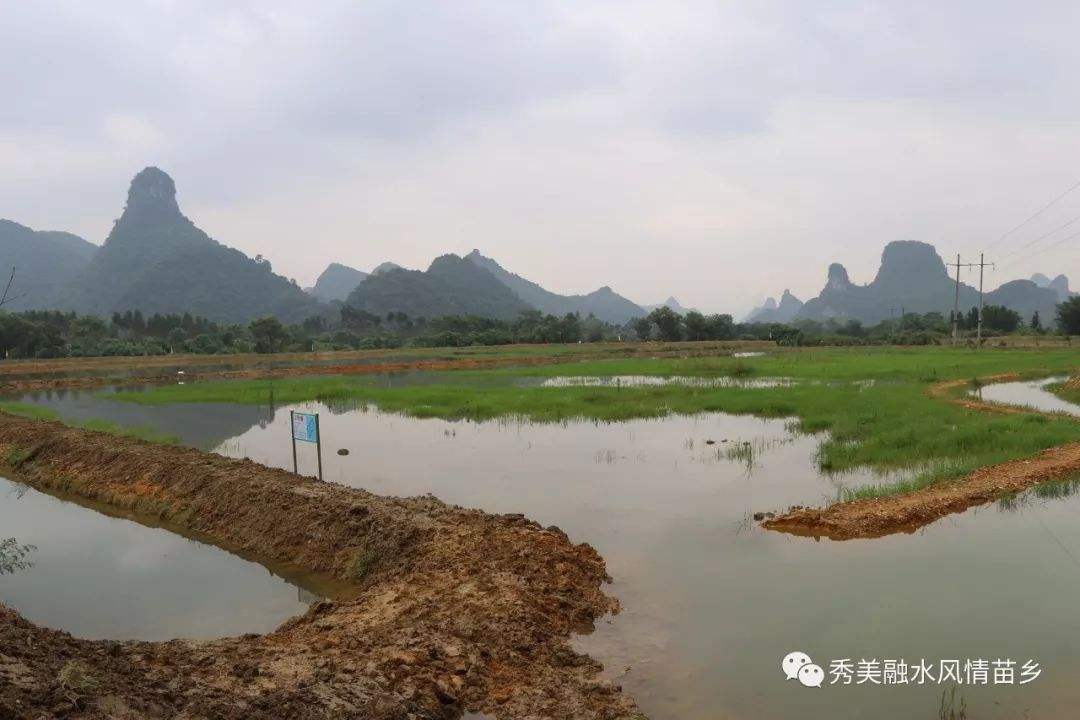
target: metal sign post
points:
(305, 428)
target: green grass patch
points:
(1071, 394)
(36, 412)
(29, 410)
(923, 364)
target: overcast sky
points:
(717, 151)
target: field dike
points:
(877, 517)
(454, 609)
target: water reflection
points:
(13, 556)
(660, 381)
(711, 603)
(1028, 393)
(203, 426)
(103, 577)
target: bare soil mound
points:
(454, 609)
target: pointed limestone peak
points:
(838, 278)
(152, 190)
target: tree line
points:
(50, 334)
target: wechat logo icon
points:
(798, 666)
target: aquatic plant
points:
(13, 556)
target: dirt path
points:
(455, 609)
(876, 517)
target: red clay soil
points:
(453, 609)
(908, 512)
(876, 517)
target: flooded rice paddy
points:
(712, 603)
(101, 577)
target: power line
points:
(1040, 251)
(1041, 237)
(1035, 215)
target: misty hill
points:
(1060, 285)
(45, 264)
(385, 267)
(773, 312)
(912, 277)
(336, 282)
(451, 286)
(605, 304)
(671, 303)
(156, 260)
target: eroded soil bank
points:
(908, 512)
(876, 517)
(455, 609)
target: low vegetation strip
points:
(454, 609)
(875, 517)
(885, 410)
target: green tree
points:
(697, 327)
(268, 333)
(1000, 318)
(176, 339)
(1036, 323)
(1068, 316)
(719, 327)
(668, 322)
(643, 328)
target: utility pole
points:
(956, 302)
(982, 265)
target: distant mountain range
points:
(605, 304)
(671, 303)
(157, 260)
(1059, 285)
(451, 286)
(913, 278)
(46, 264)
(447, 285)
(772, 312)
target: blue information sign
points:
(305, 428)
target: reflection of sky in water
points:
(659, 381)
(711, 603)
(102, 577)
(1032, 393)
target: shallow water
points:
(711, 603)
(659, 381)
(1028, 393)
(103, 577)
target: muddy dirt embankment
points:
(454, 609)
(877, 517)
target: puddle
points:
(748, 354)
(1028, 393)
(656, 381)
(102, 577)
(712, 603)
